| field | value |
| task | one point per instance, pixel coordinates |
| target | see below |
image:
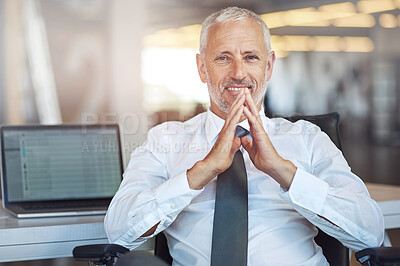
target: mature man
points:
(297, 178)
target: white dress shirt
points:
(281, 223)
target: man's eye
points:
(252, 57)
(222, 58)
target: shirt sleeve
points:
(147, 195)
(334, 199)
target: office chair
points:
(335, 253)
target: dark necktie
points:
(229, 240)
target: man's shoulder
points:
(282, 125)
(180, 128)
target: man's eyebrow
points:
(250, 52)
(245, 52)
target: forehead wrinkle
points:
(245, 52)
(237, 43)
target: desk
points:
(45, 238)
(388, 199)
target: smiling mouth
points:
(236, 90)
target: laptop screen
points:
(42, 163)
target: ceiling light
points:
(340, 10)
(358, 44)
(373, 6)
(273, 20)
(183, 37)
(388, 21)
(307, 17)
(301, 16)
(296, 43)
(345, 7)
(360, 20)
(319, 23)
(278, 43)
(327, 43)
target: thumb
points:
(235, 145)
(247, 144)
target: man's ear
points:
(201, 68)
(270, 64)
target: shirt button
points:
(173, 206)
(298, 198)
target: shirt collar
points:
(214, 124)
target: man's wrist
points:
(283, 173)
(199, 175)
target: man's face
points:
(235, 57)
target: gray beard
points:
(223, 105)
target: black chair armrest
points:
(100, 253)
(379, 256)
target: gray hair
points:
(232, 14)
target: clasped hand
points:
(260, 149)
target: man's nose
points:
(238, 70)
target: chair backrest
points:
(334, 251)
(329, 123)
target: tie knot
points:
(241, 132)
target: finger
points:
(253, 120)
(238, 114)
(251, 105)
(256, 128)
(250, 102)
(238, 101)
(234, 114)
(247, 144)
(235, 145)
(230, 124)
(227, 143)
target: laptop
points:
(59, 170)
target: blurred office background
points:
(133, 62)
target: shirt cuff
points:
(306, 191)
(175, 194)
